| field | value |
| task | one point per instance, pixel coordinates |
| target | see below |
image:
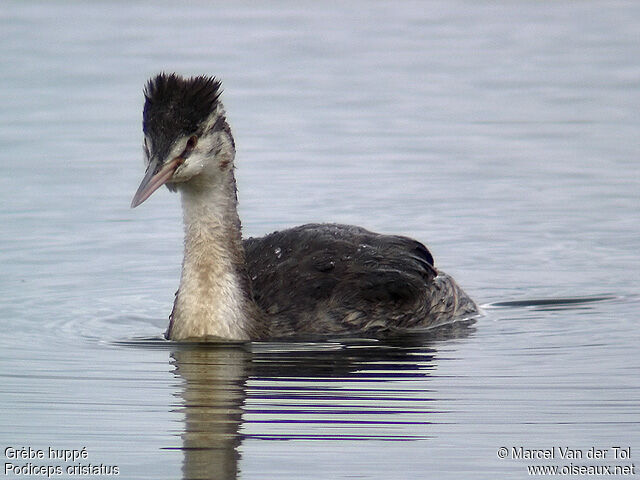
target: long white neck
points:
(214, 298)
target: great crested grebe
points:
(315, 279)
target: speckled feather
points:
(339, 279)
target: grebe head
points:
(187, 141)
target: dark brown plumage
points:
(340, 279)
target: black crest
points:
(176, 106)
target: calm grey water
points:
(502, 134)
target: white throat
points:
(213, 299)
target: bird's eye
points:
(192, 142)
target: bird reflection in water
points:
(271, 390)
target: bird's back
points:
(339, 279)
